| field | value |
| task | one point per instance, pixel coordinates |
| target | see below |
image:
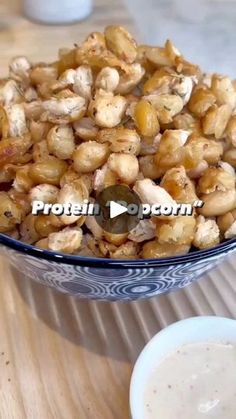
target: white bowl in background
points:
(192, 330)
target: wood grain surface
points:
(62, 358)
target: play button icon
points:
(116, 204)
(116, 209)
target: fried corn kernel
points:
(94, 227)
(83, 81)
(89, 156)
(106, 249)
(145, 117)
(121, 140)
(216, 179)
(158, 56)
(217, 203)
(60, 141)
(207, 233)
(210, 150)
(33, 110)
(148, 167)
(45, 225)
(216, 120)
(201, 100)
(223, 89)
(111, 112)
(38, 130)
(150, 145)
(21, 199)
(171, 152)
(10, 214)
(67, 240)
(40, 151)
(225, 221)
(128, 81)
(231, 232)
(47, 171)
(166, 105)
(231, 131)
(121, 43)
(198, 170)
(125, 166)
(10, 93)
(44, 192)
(13, 121)
(13, 150)
(107, 79)
(229, 156)
(22, 181)
(154, 250)
(104, 177)
(86, 129)
(145, 230)
(116, 239)
(150, 193)
(128, 250)
(74, 193)
(107, 109)
(187, 122)
(180, 230)
(63, 110)
(27, 230)
(19, 69)
(179, 185)
(42, 244)
(41, 74)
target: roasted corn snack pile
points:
(111, 112)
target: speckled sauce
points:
(197, 381)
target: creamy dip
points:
(197, 381)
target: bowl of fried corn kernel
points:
(112, 113)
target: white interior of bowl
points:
(193, 330)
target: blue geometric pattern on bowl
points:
(112, 282)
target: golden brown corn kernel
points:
(155, 250)
(149, 168)
(89, 156)
(121, 43)
(180, 230)
(179, 186)
(10, 213)
(216, 120)
(225, 221)
(60, 141)
(145, 117)
(229, 156)
(217, 203)
(125, 166)
(215, 179)
(201, 100)
(44, 225)
(47, 171)
(27, 229)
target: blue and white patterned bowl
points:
(111, 279)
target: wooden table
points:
(61, 358)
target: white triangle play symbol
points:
(116, 209)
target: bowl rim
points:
(211, 322)
(68, 259)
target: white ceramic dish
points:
(193, 330)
